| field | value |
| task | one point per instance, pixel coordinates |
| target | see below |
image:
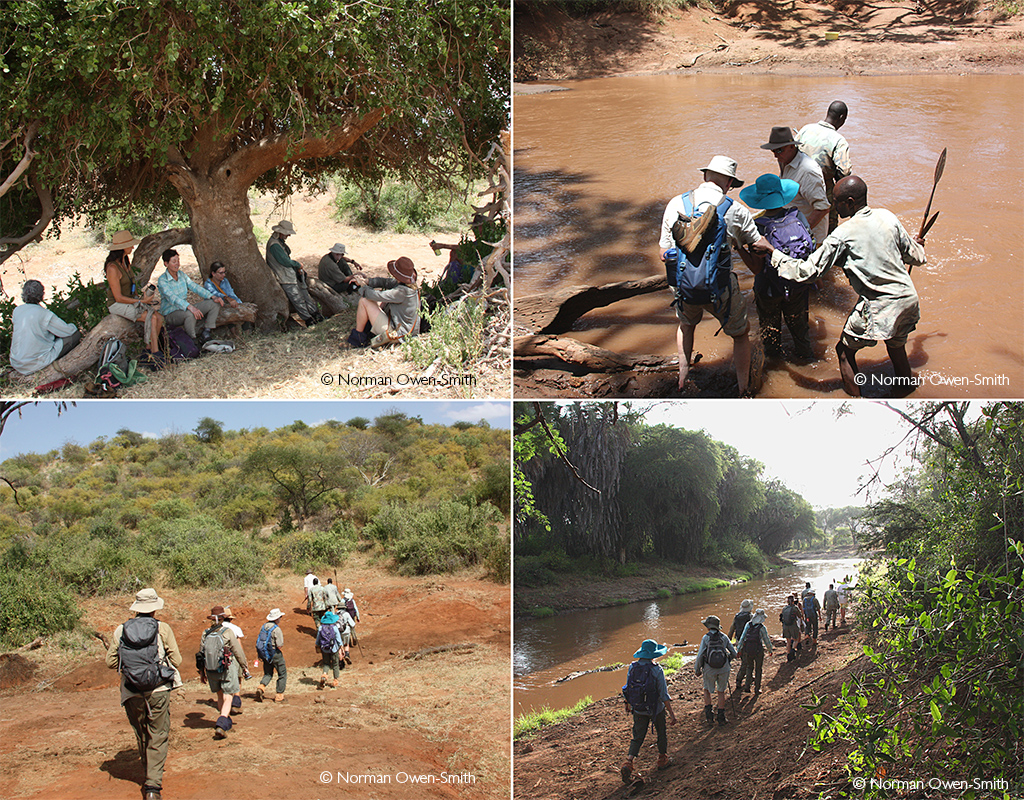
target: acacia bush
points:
(318, 548)
(32, 605)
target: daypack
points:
(788, 234)
(114, 352)
(702, 276)
(716, 655)
(788, 615)
(264, 647)
(178, 344)
(641, 688)
(328, 639)
(350, 607)
(138, 655)
(216, 656)
(752, 641)
(809, 605)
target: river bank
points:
(760, 752)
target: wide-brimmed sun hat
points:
(145, 601)
(770, 191)
(651, 649)
(758, 617)
(347, 594)
(329, 618)
(275, 613)
(227, 613)
(713, 622)
(216, 613)
(338, 248)
(402, 269)
(123, 239)
(781, 136)
(724, 165)
(284, 227)
(746, 605)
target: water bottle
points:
(671, 259)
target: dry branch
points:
(459, 649)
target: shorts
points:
(859, 322)
(737, 325)
(791, 631)
(380, 323)
(135, 312)
(716, 680)
(228, 682)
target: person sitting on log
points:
(336, 268)
(125, 300)
(177, 310)
(219, 286)
(389, 308)
(39, 337)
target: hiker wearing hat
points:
(175, 286)
(811, 199)
(389, 308)
(39, 337)
(739, 622)
(229, 622)
(648, 700)
(790, 619)
(753, 641)
(125, 298)
(332, 639)
(823, 142)
(317, 602)
(728, 304)
(336, 268)
(219, 286)
(307, 584)
(290, 274)
(775, 297)
(713, 662)
(874, 250)
(268, 648)
(139, 645)
(222, 663)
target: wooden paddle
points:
(939, 167)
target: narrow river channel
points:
(548, 649)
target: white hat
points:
(347, 594)
(146, 601)
(746, 605)
(275, 613)
(724, 165)
(338, 248)
(284, 227)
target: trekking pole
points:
(939, 167)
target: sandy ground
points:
(848, 37)
(760, 753)
(395, 713)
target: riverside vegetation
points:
(220, 507)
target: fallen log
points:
(579, 358)
(556, 312)
(329, 299)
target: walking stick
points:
(939, 167)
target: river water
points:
(596, 165)
(548, 649)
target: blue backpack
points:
(703, 275)
(809, 606)
(264, 648)
(641, 689)
(789, 234)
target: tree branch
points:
(45, 217)
(18, 171)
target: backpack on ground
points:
(264, 643)
(752, 641)
(328, 639)
(641, 688)
(716, 655)
(809, 605)
(177, 344)
(138, 655)
(216, 656)
(114, 352)
(703, 266)
(787, 233)
(788, 615)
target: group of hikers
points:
(146, 654)
(176, 306)
(792, 238)
(646, 690)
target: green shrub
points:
(663, 594)
(400, 207)
(456, 336)
(671, 663)
(226, 558)
(527, 723)
(446, 537)
(32, 605)
(498, 561)
(541, 612)
(320, 548)
(748, 556)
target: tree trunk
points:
(555, 312)
(218, 207)
(88, 351)
(330, 301)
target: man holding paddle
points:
(875, 251)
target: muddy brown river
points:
(546, 650)
(596, 165)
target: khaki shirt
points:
(166, 645)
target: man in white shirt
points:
(39, 336)
(812, 199)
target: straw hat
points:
(284, 227)
(724, 165)
(146, 601)
(403, 270)
(227, 613)
(123, 239)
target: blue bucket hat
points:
(651, 649)
(329, 618)
(770, 191)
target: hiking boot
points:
(323, 682)
(334, 684)
(222, 727)
(358, 338)
(348, 659)
(151, 794)
(279, 698)
(626, 770)
(721, 717)
(204, 337)
(790, 655)
(260, 691)
(708, 714)
(799, 646)
(664, 762)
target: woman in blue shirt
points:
(219, 286)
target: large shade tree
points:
(110, 103)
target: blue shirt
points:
(224, 291)
(174, 293)
(37, 338)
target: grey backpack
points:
(114, 352)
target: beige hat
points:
(123, 239)
(284, 227)
(746, 605)
(724, 165)
(227, 613)
(403, 269)
(146, 601)
(338, 249)
(275, 614)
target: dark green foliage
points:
(398, 206)
(224, 558)
(210, 431)
(320, 548)
(359, 423)
(31, 605)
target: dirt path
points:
(397, 716)
(847, 37)
(760, 753)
